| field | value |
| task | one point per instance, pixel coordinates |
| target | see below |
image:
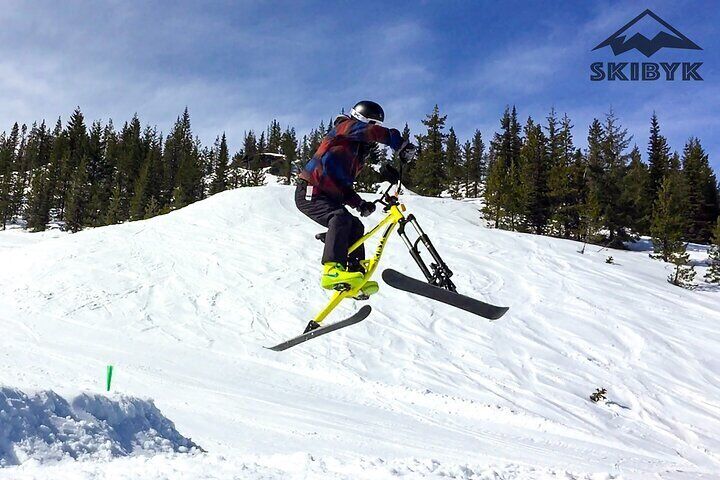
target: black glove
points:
(366, 208)
(389, 173)
(407, 152)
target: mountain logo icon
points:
(647, 33)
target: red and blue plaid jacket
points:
(338, 160)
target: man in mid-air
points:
(325, 187)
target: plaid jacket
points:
(338, 160)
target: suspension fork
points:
(438, 273)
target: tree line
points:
(75, 175)
(531, 177)
(534, 179)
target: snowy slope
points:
(182, 304)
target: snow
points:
(44, 426)
(182, 305)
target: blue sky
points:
(237, 65)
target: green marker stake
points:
(109, 376)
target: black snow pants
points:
(344, 229)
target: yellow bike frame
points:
(391, 220)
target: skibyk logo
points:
(647, 33)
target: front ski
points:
(412, 285)
(358, 317)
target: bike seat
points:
(321, 236)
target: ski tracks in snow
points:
(183, 303)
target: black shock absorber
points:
(438, 273)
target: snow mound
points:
(44, 426)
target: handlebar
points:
(395, 179)
(386, 199)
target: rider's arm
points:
(365, 132)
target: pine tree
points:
(274, 137)
(179, 198)
(8, 155)
(713, 273)
(77, 198)
(250, 158)
(184, 168)
(501, 157)
(261, 144)
(76, 150)
(37, 211)
(315, 139)
(20, 177)
(684, 272)
(615, 214)
(235, 170)
(38, 146)
(576, 223)
(140, 198)
(131, 150)
(97, 170)
(428, 173)
(514, 199)
(156, 169)
(634, 193)
(669, 221)
(303, 152)
(114, 212)
(502, 200)
(37, 208)
(289, 150)
(702, 190)
(475, 165)
(253, 178)
(173, 153)
(407, 169)
(553, 137)
(563, 196)
(595, 169)
(467, 158)
(104, 185)
(533, 178)
(208, 164)
(219, 182)
(152, 209)
(494, 195)
(453, 165)
(658, 158)
(58, 151)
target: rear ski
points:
(358, 317)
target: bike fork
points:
(438, 273)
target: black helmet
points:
(368, 112)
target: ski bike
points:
(437, 286)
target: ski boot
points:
(336, 277)
(370, 287)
